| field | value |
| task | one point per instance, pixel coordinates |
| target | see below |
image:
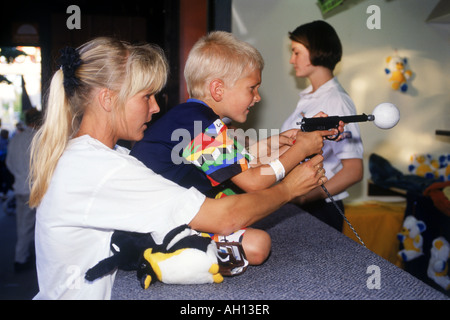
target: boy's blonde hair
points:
(219, 55)
(105, 63)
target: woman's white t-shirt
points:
(94, 191)
(332, 99)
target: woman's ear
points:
(217, 89)
(106, 99)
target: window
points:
(20, 83)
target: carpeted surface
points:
(309, 260)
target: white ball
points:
(386, 115)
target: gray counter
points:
(309, 260)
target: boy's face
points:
(242, 96)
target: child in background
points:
(316, 49)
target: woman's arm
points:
(226, 215)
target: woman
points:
(85, 187)
(316, 49)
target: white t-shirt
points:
(332, 99)
(94, 191)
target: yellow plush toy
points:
(438, 265)
(423, 165)
(411, 238)
(397, 72)
(428, 166)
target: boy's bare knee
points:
(257, 245)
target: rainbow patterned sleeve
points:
(219, 156)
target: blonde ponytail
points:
(101, 63)
(51, 139)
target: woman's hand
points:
(305, 177)
(340, 128)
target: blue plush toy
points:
(411, 238)
(438, 264)
(431, 167)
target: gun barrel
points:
(357, 118)
(325, 123)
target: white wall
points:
(424, 108)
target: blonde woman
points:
(85, 187)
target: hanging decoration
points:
(328, 5)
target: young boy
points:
(191, 145)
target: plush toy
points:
(127, 248)
(444, 167)
(431, 167)
(398, 73)
(411, 238)
(438, 265)
(182, 258)
(424, 165)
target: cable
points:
(342, 214)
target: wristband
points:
(278, 168)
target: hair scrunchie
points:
(69, 62)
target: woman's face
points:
(300, 60)
(138, 112)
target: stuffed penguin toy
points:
(182, 258)
(127, 247)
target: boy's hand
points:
(311, 142)
(340, 129)
(273, 147)
(288, 137)
(305, 177)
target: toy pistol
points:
(332, 122)
(385, 116)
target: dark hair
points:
(33, 117)
(322, 42)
